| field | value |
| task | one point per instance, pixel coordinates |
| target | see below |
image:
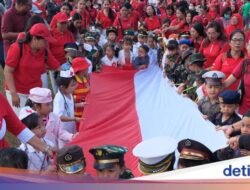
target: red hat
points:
(79, 64)
(62, 17)
(41, 30)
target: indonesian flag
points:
(125, 107)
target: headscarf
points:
(230, 28)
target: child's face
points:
(245, 128)
(40, 130)
(112, 36)
(227, 109)
(141, 52)
(183, 47)
(213, 91)
(109, 52)
(142, 39)
(44, 109)
(150, 42)
(71, 88)
(112, 173)
(127, 47)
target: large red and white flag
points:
(126, 107)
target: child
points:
(229, 101)
(125, 55)
(40, 100)
(210, 105)
(152, 44)
(63, 104)
(109, 59)
(111, 34)
(80, 67)
(142, 39)
(37, 160)
(142, 60)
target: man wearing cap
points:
(129, 34)
(142, 39)
(62, 36)
(14, 21)
(156, 155)
(23, 73)
(70, 160)
(80, 67)
(193, 153)
(109, 162)
(210, 105)
(229, 101)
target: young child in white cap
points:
(40, 99)
(63, 104)
(38, 160)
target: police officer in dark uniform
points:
(109, 162)
(193, 153)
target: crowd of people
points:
(52, 47)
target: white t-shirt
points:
(38, 161)
(106, 61)
(64, 106)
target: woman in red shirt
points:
(81, 9)
(242, 72)
(106, 16)
(236, 22)
(214, 44)
(189, 19)
(123, 22)
(198, 34)
(226, 62)
(25, 63)
(62, 36)
(170, 12)
(91, 11)
(152, 21)
(177, 26)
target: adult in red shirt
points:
(13, 22)
(138, 5)
(239, 74)
(65, 8)
(9, 121)
(177, 26)
(81, 9)
(226, 62)
(214, 44)
(170, 12)
(236, 22)
(123, 22)
(92, 11)
(62, 36)
(134, 14)
(26, 62)
(161, 8)
(106, 16)
(152, 21)
(197, 33)
(189, 19)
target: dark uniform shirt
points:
(127, 174)
(217, 119)
(207, 108)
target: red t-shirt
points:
(181, 25)
(226, 64)
(42, 8)
(237, 73)
(212, 51)
(152, 23)
(139, 7)
(29, 68)
(13, 124)
(57, 48)
(123, 24)
(104, 20)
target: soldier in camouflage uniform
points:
(210, 104)
(109, 162)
